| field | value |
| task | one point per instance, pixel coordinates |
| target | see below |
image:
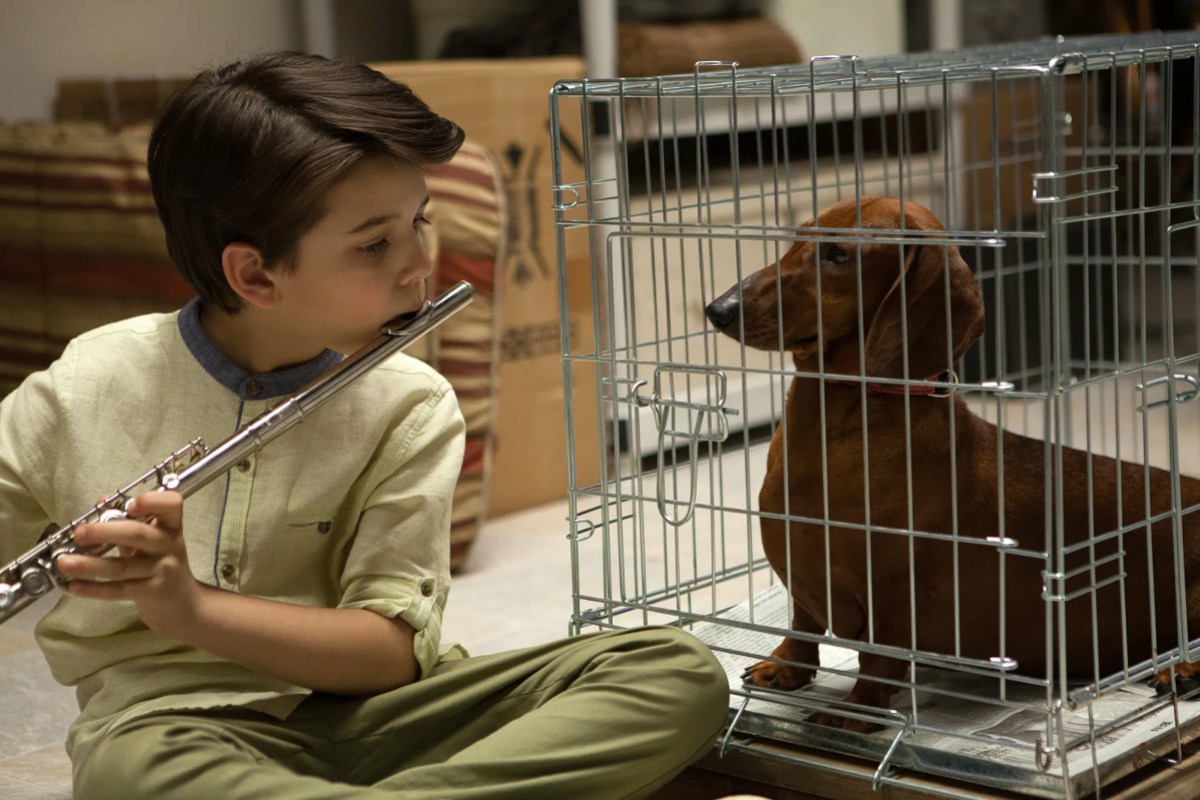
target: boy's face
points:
(364, 262)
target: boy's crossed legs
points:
(610, 715)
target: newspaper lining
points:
(987, 732)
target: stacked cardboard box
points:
(504, 104)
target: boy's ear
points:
(246, 272)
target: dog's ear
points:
(937, 337)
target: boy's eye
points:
(424, 231)
(374, 248)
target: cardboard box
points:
(1014, 118)
(504, 105)
(120, 101)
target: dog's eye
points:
(836, 254)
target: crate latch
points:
(665, 410)
(1184, 395)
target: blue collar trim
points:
(245, 385)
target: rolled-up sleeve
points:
(398, 564)
(32, 422)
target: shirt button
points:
(427, 587)
(254, 388)
(243, 465)
(227, 572)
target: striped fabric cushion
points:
(465, 206)
(81, 245)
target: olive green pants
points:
(609, 715)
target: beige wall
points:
(42, 41)
(845, 27)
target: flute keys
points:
(8, 596)
(36, 581)
(65, 550)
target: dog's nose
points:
(725, 312)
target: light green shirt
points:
(349, 509)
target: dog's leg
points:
(867, 692)
(792, 664)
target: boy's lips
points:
(417, 306)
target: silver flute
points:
(195, 465)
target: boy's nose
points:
(419, 267)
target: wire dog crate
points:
(1065, 174)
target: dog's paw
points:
(1187, 679)
(774, 675)
(863, 698)
(851, 724)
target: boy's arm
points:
(340, 650)
(31, 432)
(346, 651)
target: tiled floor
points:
(516, 591)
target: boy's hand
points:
(152, 566)
(350, 651)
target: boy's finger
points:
(140, 536)
(165, 507)
(101, 590)
(93, 568)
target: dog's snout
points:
(725, 312)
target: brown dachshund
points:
(938, 427)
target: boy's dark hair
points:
(248, 152)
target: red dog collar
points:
(948, 379)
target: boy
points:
(282, 638)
